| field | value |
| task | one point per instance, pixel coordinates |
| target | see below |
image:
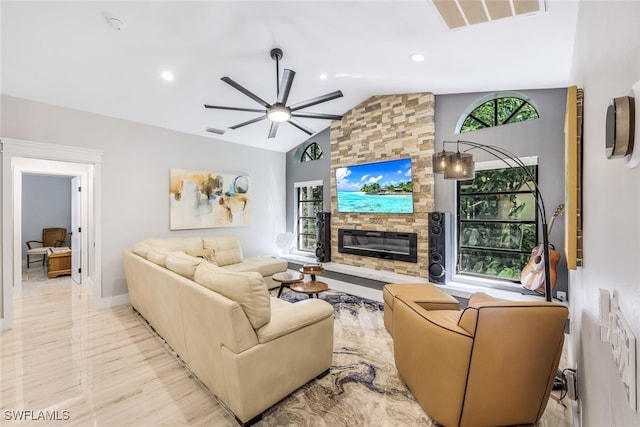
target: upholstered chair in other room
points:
(51, 238)
(492, 364)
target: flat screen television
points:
(381, 187)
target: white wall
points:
(606, 64)
(46, 202)
(135, 177)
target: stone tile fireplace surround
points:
(385, 128)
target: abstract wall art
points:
(208, 199)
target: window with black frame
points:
(309, 201)
(498, 111)
(496, 223)
(311, 152)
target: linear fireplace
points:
(379, 244)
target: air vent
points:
(461, 13)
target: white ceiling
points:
(65, 53)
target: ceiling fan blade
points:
(252, 110)
(316, 100)
(317, 116)
(216, 131)
(302, 127)
(251, 95)
(285, 86)
(248, 122)
(273, 129)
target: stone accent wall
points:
(385, 128)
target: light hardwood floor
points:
(105, 368)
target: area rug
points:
(363, 387)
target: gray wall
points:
(135, 177)
(309, 171)
(46, 203)
(543, 137)
(605, 64)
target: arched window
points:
(311, 152)
(496, 110)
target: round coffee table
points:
(313, 286)
(309, 288)
(286, 279)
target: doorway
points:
(47, 202)
(25, 166)
(23, 157)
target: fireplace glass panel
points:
(379, 244)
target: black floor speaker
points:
(438, 236)
(323, 235)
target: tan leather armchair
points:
(492, 364)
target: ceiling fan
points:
(279, 111)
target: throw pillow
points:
(206, 254)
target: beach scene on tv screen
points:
(382, 187)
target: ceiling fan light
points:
(279, 113)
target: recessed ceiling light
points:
(116, 24)
(323, 76)
(417, 57)
(167, 75)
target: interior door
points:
(76, 247)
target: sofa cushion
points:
(278, 304)
(158, 256)
(228, 250)
(141, 249)
(263, 265)
(206, 254)
(247, 289)
(481, 298)
(183, 264)
(176, 243)
(469, 318)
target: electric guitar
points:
(532, 276)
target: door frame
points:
(76, 223)
(19, 157)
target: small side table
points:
(313, 286)
(58, 262)
(286, 279)
(312, 269)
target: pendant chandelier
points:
(454, 165)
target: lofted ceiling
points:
(67, 54)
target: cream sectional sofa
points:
(250, 349)
(224, 251)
